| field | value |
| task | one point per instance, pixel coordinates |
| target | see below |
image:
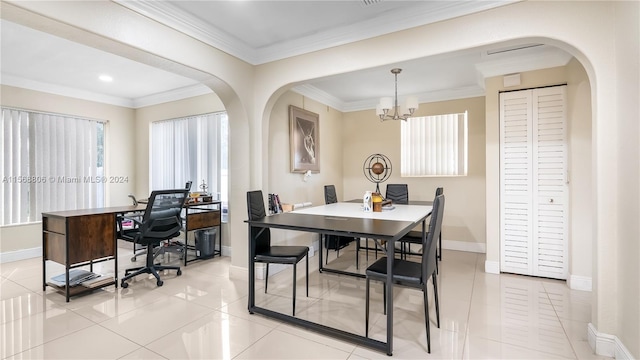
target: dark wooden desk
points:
(77, 238)
(343, 219)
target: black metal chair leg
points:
(358, 254)
(435, 292)
(326, 244)
(266, 279)
(426, 317)
(366, 318)
(294, 289)
(307, 274)
(367, 249)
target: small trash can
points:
(206, 242)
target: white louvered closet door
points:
(533, 183)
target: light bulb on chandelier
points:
(383, 110)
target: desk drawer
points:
(56, 225)
(203, 220)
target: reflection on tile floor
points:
(203, 315)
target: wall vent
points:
(369, 2)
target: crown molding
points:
(64, 91)
(172, 95)
(391, 22)
(414, 16)
(159, 98)
(320, 96)
(323, 97)
(174, 17)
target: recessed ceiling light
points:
(105, 78)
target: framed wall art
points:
(304, 137)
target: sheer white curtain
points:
(49, 163)
(188, 149)
(65, 152)
(169, 146)
(434, 145)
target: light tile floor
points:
(203, 315)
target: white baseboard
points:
(491, 267)
(238, 272)
(464, 246)
(607, 345)
(582, 283)
(23, 254)
(226, 251)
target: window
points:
(49, 162)
(434, 146)
(191, 149)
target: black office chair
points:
(333, 242)
(161, 221)
(413, 274)
(397, 193)
(263, 252)
(133, 218)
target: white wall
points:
(291, 187)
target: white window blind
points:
(434, 146)
(50, 162)
(191, 149)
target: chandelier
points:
(383, 110)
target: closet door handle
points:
(550, 201)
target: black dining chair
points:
(161, 221)
(333, 242)
(262, 250)
(415, 237)
(397, 193)
(412, 274)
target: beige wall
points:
(364, 134)
(291, 187)
(579, 141)
(627, 248)
(118, 160)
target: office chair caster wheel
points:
(159, 283)
(124, 285)
(133, 259)
(179, 272)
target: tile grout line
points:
(466, 333)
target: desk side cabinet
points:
(76, 239)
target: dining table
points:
(344, 219)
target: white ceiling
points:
(263, 31)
